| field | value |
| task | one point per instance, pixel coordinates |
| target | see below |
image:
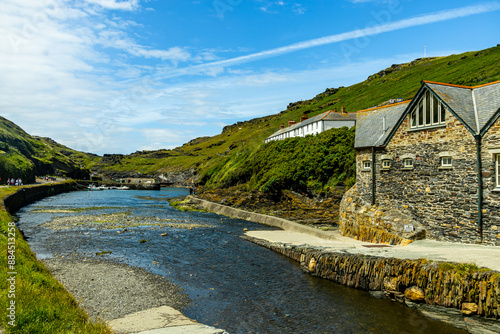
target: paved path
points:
(482, 256)
(160, 320)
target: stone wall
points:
(373, 223)
(444, 200)
(460, 286)
(28, 195)
(491, 196)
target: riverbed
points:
(231, 283)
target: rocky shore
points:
(109, 290)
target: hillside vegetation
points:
(25, 156)
(237, 154)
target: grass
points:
(42, 304)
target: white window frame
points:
(446, 162)
(497, 170)
(424, 113)
(367, 165)
(405, 163)
(386, 164)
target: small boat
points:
(92, 187)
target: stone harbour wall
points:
(472, 290)
(28, 195)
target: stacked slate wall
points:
(451, 285)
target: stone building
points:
(435, 160)
(314, 125)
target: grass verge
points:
(40, 302)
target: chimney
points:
(335, 109)
(282, 126)
(304, 117)
(343, 110)
(291, 122)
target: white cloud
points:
(128, 5)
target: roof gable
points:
(458, 99)
(487, 100)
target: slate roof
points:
(476, 107)
(370, 124)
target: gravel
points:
(109, 290)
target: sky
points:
(111, 76)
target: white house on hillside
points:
(312, 126)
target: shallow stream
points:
(234, 284)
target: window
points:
(386, 164)
(408, 163)
(367, 165)
(446, 162)
(497, 170)
(428, 112)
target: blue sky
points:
(110, 76)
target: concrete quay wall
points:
(260, 218)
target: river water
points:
(233, 284)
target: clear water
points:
(234, 284)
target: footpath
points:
(482, 256)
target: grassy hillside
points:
(25, 156)
(214, 156)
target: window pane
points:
(443, 113)
(435, 110)
(420, 113)
(413, 118)
(427, 108)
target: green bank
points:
(31, 300)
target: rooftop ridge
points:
(461, 86)
(386, 106)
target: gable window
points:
(428, 112)
(386, 164)
(367, 165)
(446, 162)
(408, 163)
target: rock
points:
(378, 294)
(469, 308)
(245, 229)
(312, 265)
(415, 294)
(390, 283)
(406, 242)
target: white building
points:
(312, 126)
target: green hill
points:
(224, 159)
(25, 156)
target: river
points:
(234, 284)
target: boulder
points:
(312, 264)
(469, 308)
(390, 283)
(415, 294)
